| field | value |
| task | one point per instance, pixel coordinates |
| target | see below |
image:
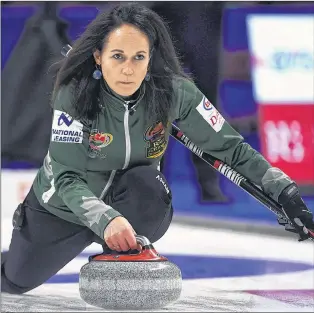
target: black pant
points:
(46, 243)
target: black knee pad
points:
(148, 179)
(143, 197)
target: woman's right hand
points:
(119, 235)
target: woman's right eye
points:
(117, 56)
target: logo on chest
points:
(98, 141)
(156, 140)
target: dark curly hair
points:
(164, 65)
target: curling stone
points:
(144, 280)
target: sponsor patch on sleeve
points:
(66, 129)
(210, 114)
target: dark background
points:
(32, 37)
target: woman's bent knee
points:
(10, 287)
(146, 183)
(143, 197)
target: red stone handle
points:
(148, 253)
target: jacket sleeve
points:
(207, 128)
(68, 152)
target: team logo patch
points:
(156, 140)
(210, 114)
(97, 141)
(207, 105)
(65, 119)
(65, 128)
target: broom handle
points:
(230, 173)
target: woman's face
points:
(124, 59)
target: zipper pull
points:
(131, 110)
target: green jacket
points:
(86, 157)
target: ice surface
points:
(268, 292)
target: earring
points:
(97, 74)
(147, 77)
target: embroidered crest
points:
(97, 141)
(156, 140)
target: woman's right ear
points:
(96, 55)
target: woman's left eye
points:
(140, 57)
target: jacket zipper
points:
(127, 150)
(127, 136)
